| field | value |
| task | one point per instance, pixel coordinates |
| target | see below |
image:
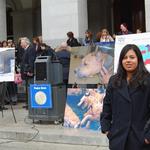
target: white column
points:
(3, 33)
(147, 15)
(61, 16)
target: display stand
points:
(4, 93)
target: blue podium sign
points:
(41, 95)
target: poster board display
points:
(41, 95)
(91, 64)
(142, 40)
(7, 64)
(83, 108)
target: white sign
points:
(7, 64)
(142, 40)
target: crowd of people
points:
(26, 52)
(102, 36)
(25, 55)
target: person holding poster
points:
(126, 110)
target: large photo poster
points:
(7, 64)
(142, 40)
(91, 64)
(83, 108)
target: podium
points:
(48, 73)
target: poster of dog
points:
(83, 108)
(91, 64)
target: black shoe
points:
(3, 108)
(14, 103)
(26, 107)
(7, 103)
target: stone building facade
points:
(54, 18)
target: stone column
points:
(3, 34)
(147, 15)
(59, 17)
(22, 24)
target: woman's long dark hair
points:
(139, 73)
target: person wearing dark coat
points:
(27, 65)
(126, 109)
(63, 54)
(72, 41)
(19, 51)
(124, 29)
(45, 50)
(88, 40)
(36, 43)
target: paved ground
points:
(10, 145)
(24, 135)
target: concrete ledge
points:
(54, 135)
(24, 130)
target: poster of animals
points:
(92, 64)
(7, 64)
(142, 40)
(83, 108)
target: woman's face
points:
(130, 61)
(5, 44)
(104, 32)
(123, 28)
(43, 48)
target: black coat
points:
(73, 42)
(46, 52)
(19, 54)
(27, 64)
(126, 112)
(64, 57)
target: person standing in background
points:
(27, 64)
(104, 36)
(63, 54)
(4, 44)
(88, 40)
(124, 29)
(36, 43)
(72, 41)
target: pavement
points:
(27, 135)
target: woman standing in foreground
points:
(126, 110)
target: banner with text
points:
(142, 40)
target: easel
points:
(4, 93)
(26, 85)
(26, 92)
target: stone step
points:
(25, 130)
